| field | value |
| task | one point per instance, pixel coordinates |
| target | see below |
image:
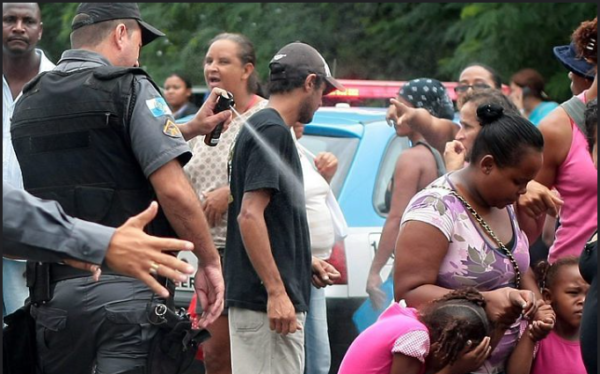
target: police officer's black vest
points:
(70, 132)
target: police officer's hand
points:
(215, 204)
(205, 119)
(210, 290)
(134, 253)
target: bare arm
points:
(253, 228)
(184, 212)
(556, 129)
(437, 131)
(521, 359)
(538, 200)
(419, 246)
(402, 364)
(406, 177)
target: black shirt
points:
(276, 168)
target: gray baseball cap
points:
(297, 60)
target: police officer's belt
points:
(63, 272)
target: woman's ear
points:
(487, 164)
(248, 70)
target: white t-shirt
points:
(318, 215)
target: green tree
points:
(388, 41)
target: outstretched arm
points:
(436, 131)
(40, 230)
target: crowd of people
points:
(90, 145)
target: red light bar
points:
(372, 89)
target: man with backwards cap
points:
(268, 256)
(95, 135)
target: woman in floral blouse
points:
(462, 230)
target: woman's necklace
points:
(488, 229)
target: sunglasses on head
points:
(464, 87)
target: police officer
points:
(95, 135)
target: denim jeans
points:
(318, 351)
(14, 287)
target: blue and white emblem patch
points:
(158, 106)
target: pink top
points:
(577, 183)
(556, 355)
(396, 331)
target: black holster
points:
(174, 348)
(38, 282)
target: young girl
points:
(448, 336)
(564, 289)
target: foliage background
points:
(389, 41)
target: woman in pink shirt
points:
(567, 165)
(448, 336)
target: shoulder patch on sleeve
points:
(171, 129)
(158, 107)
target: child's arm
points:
(403, 364)
(521, 359)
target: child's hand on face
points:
(543, 322)
(470, 358)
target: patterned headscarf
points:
(429, 94)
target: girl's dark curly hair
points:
(453, 320)
(545, 273)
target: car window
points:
(386, 170)
(343, 148)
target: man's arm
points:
(436, 131)
(253, 228)
(184, 212)
(40, 230)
